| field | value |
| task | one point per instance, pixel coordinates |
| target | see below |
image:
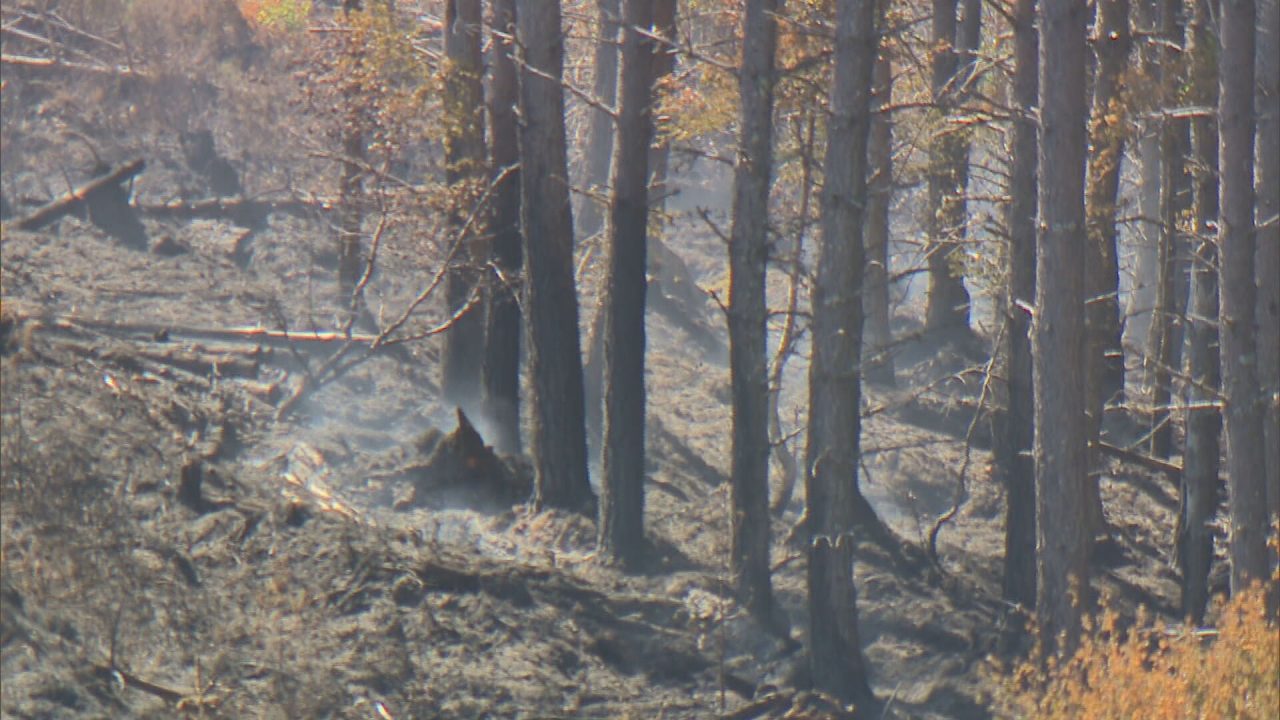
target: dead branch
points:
(71, 201)
(40, 63)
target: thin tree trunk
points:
(600, 130)
(622, 509)
(351, 183)
(831, 481)
(664, 64)
(948, 300)
(1111, 45)
(465, 170)
(501, 371)
(1267, 178)
(559, 436)
(1058, 333)
(875, 301)
(782, 455)
(1246, 460)
(1165, 339)
(1199, 485)
(1014, 449)
(1142, 296)
(748, 254)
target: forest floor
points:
(181, 538)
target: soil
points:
(192, 526)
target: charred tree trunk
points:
(748, 255)
(559, 436)
(875, 299)
(500, 375)
(1267, 178)
(948, 300)
(1058, 333)
(1237, 301)
(465, 170)
(1104, 370)
(1199, 485)
(600, 130)
(622, 510)
(1014, 461)
(1164, 346)
(831, 479)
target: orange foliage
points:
(1161, 673)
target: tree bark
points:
(1246, 460)
(875, 299)
(1267, 177)
(500, 374)
(600, 130)
(1198, 489)
(748, 254)
(465, 170)
(831, 479)
(1014, 460)
(622, 509)
(1164, 347)
(1058, 333)
(559, 436)
(948, 300)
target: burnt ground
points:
(185, 533)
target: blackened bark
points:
(948, 300)
(875, 299)
(1164, 346)
(500, 375)
(1237, 301)
(600, 130)
(465, 170)
(1014, 447)
(831, 460)
(559, 437)
(1198, 490)
(622, 509)
(1058, 334)
(1268, 220)
(748, 253)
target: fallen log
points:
(245, 212)
(74, 199)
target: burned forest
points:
(738, 359)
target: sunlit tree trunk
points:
(1058, 333)
(748, 255)
(1246, 460)
(831, 481)
(1268, 220)
(1014, 462)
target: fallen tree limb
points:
(71, 201)
(242, 211)
(1151, 463)
(40, 63)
